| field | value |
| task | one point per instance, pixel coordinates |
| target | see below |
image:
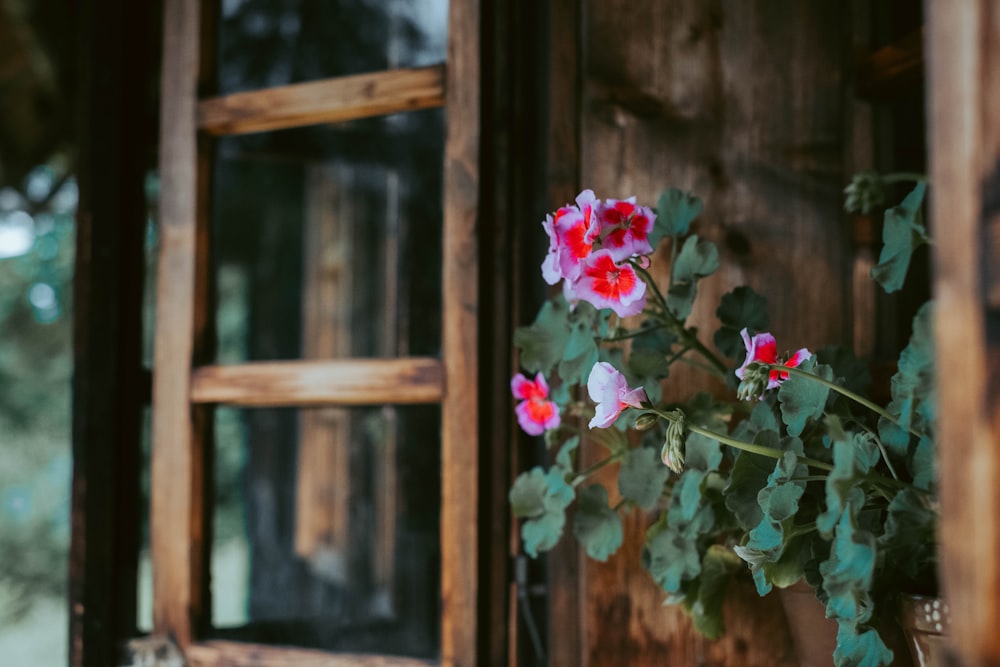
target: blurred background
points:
(268, 568)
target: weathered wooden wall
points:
(744, 104)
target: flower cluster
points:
(591, 247)
(797, 472)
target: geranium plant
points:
(790, 472)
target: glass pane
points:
(328, 240)
(327, 528)
(264, 43)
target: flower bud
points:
(865, 192)
(672, 453)
(646, 422)
(754, 382)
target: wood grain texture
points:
(964, 95)
(566, 587)
(744, 105)
(177, 460)
(460, 341)
(239, 654)
(331, 382)
(327, 101)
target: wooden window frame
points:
(185, 385)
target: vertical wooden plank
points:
(323, 484)
(114, 137)
(460, 336)
(742, 104)
(964, 96)
(178, 526)
(566, 605)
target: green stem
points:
(652, 285)
(631, 334)
(583, 475)
(903, 176)
(843, 392)
(742, 445)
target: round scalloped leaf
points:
(740, 308)
(675, 210)
(803, 399)
(642, 476)
(597, 527)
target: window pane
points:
(326, 528)
(264, 43)
(328, 240)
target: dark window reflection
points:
(265, 43)
(328, 240)
(326, 528)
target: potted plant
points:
(791, 472)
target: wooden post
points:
(115, 135)
(460, 341)
(964, 121)
(180, 534)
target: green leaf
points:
(564, 457)
(802, 398)
(527, 495)
(648, 357)
(850, 372)
(543, 533)
(749, 475)
(717, 569)
(847, 573)
(686, 496)
(902, 233)
(577, 370)
(596, 526)
(863, 648)
(675, 210)
(671, 557)
(543, 343)
(642, 476)
(542, 498)
(740, 308)
(908, 541)
(913, 387)
(923, 468)
(697, 259)
(854, 454)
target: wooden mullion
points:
(242, 654)
(964, 143)
(460, 276)
(320, 382)
(179, 525)
(328, 101)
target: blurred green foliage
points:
(35, 372)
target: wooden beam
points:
(964, 96)
(114, 131)
(460, 341)
(177, 503)
(239, 654)
(883, 74)
(321, 382)
(327, 101)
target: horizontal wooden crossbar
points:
(327, 101)
(238, 654)
(327, 382)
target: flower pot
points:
(926, 622)
(814, 635)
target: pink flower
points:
(609, 389)
(606, 284)
(625, 228)
(762, 348)
(572, 231)
(535, 413)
